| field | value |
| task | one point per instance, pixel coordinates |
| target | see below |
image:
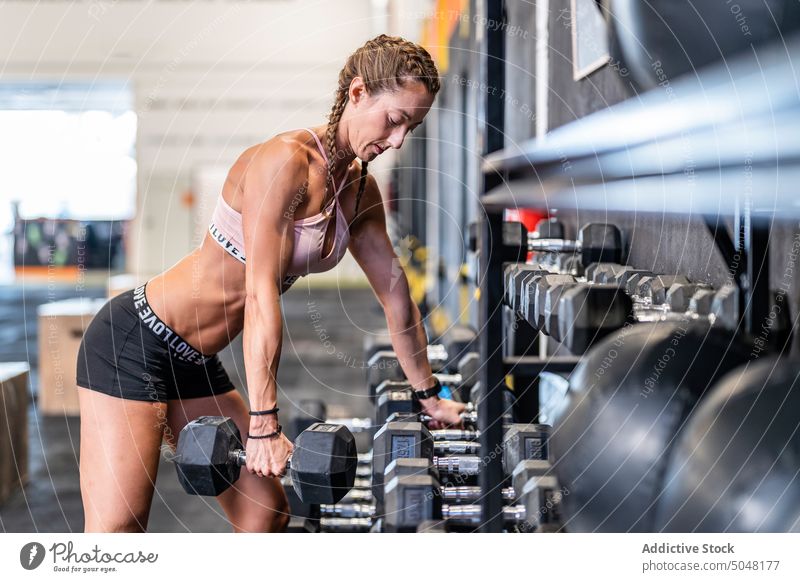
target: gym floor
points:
(321, 358)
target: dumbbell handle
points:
(553, 245)
(350, 524)
(357, 495)
(469, 494)
(462, 465)
(449, 434)
(456, 447)
(470, 417)
(347, 510)
(471, 514)
(239, 457)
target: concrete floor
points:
(322, 358)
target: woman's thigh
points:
(252, 504)
(120, 444)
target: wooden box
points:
(61, 328)
(13, 427)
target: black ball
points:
(660, 40)
(628, 399)
(735, 468)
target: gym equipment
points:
(597, 242)
(407, 439)
(588, 313)
(412, 500)
(734, 468)
(210, 454)
(655, 288)
(448, 355)
(384, 365)
(657, 42)
(628, 398)
(548, 228)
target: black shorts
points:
(128, 352)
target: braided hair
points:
(384, 63)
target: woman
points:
(289, 206)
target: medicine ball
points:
(735, 468)
(629, 397)
(660, 40)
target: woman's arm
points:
(372, 249)
(272, 189)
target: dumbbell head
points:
(552, 297)
(570, 263)
(725, 307)
(680, 295)
(600, 272)
(522, 283)
(397, 400)
(524, 441)
(410, 500)
(587, 313)
(204, 457)
(620, 276)
(599, 243)
(541, 497)
(324, 462)
(527, 469)
(634, 279)
(701, 300)
(543, 284)
(382, 366)
(396, 440)
(549, 228)
(401, 466)
(655, 288)
(323, 467)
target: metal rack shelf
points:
(723, 143)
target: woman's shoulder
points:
(279, 164)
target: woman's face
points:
(382, 121)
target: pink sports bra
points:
(309, 234)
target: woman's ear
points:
(357, 91)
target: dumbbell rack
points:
(743, 115)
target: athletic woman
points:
(290, 206)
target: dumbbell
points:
(596, 242)
(522, 473)
(525, 471)
(414, 499)
(515, 277)
(399, 398)
(210, 455)
(458, 383)
(408, 439)
(385, 367)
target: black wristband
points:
(264, 412)
(429, 392)
(271, 435)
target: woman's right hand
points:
(268, 457)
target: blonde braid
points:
(385, 63)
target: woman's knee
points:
(265, 511)
(115, 526)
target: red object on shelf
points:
(529, 218)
